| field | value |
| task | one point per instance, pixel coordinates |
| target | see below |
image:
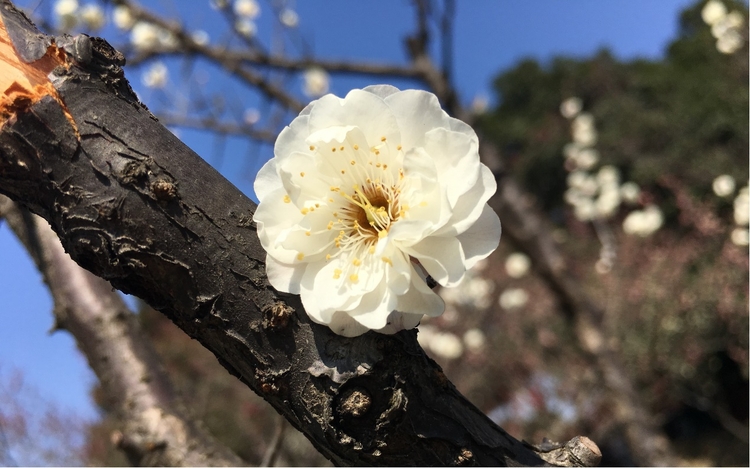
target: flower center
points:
(370, 211)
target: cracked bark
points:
(136, 207)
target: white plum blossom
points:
(367, 195)
(316, 82)
(571, 107)
(644, 222)
(144, 36)
(474, 339)
(517, 265)
(123, 17)
(247, 8)
(513, 298)
(724, 185)
(742, 208)
(156, 76)
(92, 16)
(713, 12)
(245, 27)
(289, 18)
(66, 12)
(740, 236)
(630, 192)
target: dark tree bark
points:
(133, 205)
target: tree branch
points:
(133, 205)
(155, 427)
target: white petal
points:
(417, 112)
(342, 324)
(284, 277)
(360, 109)
(482, 238)
(375, 308)
(267, 180)
(457, 160)
(470, 205)
(420, 299)
(442, 257)
(401, 321)
(274, 218)
(292, 138)
(382, 90)
(398, 272)
(299, 176)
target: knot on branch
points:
(578, 451)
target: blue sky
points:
(490, 36)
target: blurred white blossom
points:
(644, 222)
(245, 27)
(200, 37)
(93, 17)
(587, 158)
(741, 208)
(442, 344)
(729, 42)
(66, 13)
(740, 236)
(316, 82)
(252, 116)
(123, 17)
(474, 339)
(608, 176)
(144, 36)
(517, 265)
(513, 298)
(584, 210)
(630, 192)
(247, 8)
(156, 76)
(608, 201)
(289, 18)
(571, 107)
(713, 12)
(724, 185)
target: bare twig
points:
(272, 453)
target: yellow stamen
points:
(357, 262)
(304, 211)
(387, 260)
(302, 174)
(312, 148)
(336, 273)
(287, 199)
(354, 278)
(300, 256)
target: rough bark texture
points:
(133, 205)
(155, 429)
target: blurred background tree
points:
(640, 168)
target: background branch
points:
(156, 428)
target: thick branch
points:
(133, 205)
(155, 427)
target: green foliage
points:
(685, 115)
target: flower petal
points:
(482, 238)
(284, 277)
(420, 299)
(442, 257)
(342, 324)
(267, 180)
(359, 109)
